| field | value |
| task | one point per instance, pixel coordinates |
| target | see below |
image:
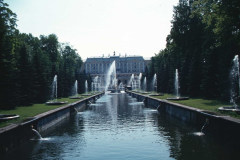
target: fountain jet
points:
(86, 86)
(154, 82)
(177, 86)
(139, 81)
(235, 87)
(54, 88)
(54, 93)
(145, 84)
(111, 77)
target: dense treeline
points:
(204, 38)
(28, 64)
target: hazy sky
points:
(97, 27)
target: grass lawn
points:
(209, 105)
(30, 111)
(203, 104)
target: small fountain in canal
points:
(111, 79)
(121, 87)
(130, 82)
(110, 88)
(37, 134)
(177, 86)
(54, 97)
(235, 87)
(201, 132)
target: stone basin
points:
(156, 94)
(86, 94)
(178, 98)
(5, 117)
(144, 92)
(56, 103)
(229, 109)
(75, 97)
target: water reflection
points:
(184, 145)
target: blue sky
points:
(97, 27)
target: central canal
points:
(120, 128)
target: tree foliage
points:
(28, 64)
(202, 43)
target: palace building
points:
(125, 66)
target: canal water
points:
(117, 127)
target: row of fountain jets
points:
(111, 82)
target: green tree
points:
(24, 79)
(50, 46)
(7, 57)
(70, 65)
(41, 76)
(28, 64)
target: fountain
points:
(86, 89)
(201, 132)
(111, 81)
(121, 86)
(235, 86)
(130, 82)
(75, 91)
(139, 81)
(177, 86)
(91, 86)
(154, 85)
(154, 82)
(54, 93)
(95, 85)
(36, 133)
(54, 87)
(145, 84)
(75, 88)
(37, 136)
(131, 79)
(134, 84)
(100, 84)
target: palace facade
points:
(125, 66)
